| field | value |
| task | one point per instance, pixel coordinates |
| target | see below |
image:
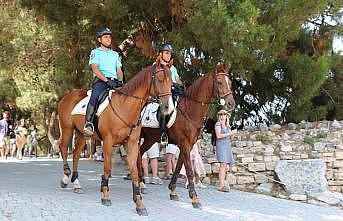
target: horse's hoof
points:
(142, 211)
(106, 202)
(63, 185)
(174, 197)
(79, 190)
(144, 190)
(197, 205)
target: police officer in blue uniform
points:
(106, 67)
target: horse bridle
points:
(219, 97)
(154, 98)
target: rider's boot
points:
(88, 129)
(164, 135)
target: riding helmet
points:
(167, 47)
(103, 31)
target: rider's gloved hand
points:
(120, 83)
(178, 89)
(183, 89)
(113, 84)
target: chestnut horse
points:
(192, 110)
(119, 123)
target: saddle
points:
(81, 107)
(150, 117)
(149, 114)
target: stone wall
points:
(259, 149)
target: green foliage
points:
(321, 134)
(264, 139)
(280, 51)
(259, 153)
(312, 139)
(309, 140)
(26, 73)
(306, 75)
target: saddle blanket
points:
(149, 116)
(81, 107)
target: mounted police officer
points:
(106, 68)
(165, 57)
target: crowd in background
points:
(17, 138)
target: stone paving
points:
(29, 190)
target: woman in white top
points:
(21, 133)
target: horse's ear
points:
(158, 61)
(228, 68)
(219, 68)
(222, 69)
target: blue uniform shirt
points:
(174, 73)
(108, 61)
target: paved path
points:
(29, 190)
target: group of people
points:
(107, 74)
(222, 148)
(14, 137)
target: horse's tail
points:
(64, 109)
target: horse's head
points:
(222, 87)
(160, 87)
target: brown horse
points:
(118, 124)
(192, 109)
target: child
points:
(197, 165)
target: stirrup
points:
(88, 129)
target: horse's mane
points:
(138, 79)
(193, 89)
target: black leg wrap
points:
(136, 191)
(172, 182)
(191, 190)
(104, 182)
(66, 167)
(74, 176)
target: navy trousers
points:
(98, 86)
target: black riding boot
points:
(163, 126)
(88, 129)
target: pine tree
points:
(280, 51)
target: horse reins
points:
(155, 97)
(215, 85)
(203, 103)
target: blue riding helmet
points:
(103, 31)
(167, 47)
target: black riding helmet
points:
(167, 47)
(103, 31)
